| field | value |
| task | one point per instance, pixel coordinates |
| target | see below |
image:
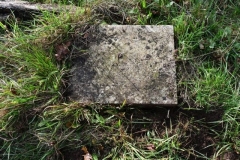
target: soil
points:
(196, 136)
(199, 137)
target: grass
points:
(214, 87)
(37, 122)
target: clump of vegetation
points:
(37, 122)
(214, 88)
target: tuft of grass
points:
(30, 80)
(214, 88)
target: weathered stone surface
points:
(25, 10)
(123, 62)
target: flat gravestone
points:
(125, 63)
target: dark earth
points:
(158, 118)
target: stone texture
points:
(126, 63)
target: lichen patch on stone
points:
(131, 63)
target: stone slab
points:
(126, 63)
